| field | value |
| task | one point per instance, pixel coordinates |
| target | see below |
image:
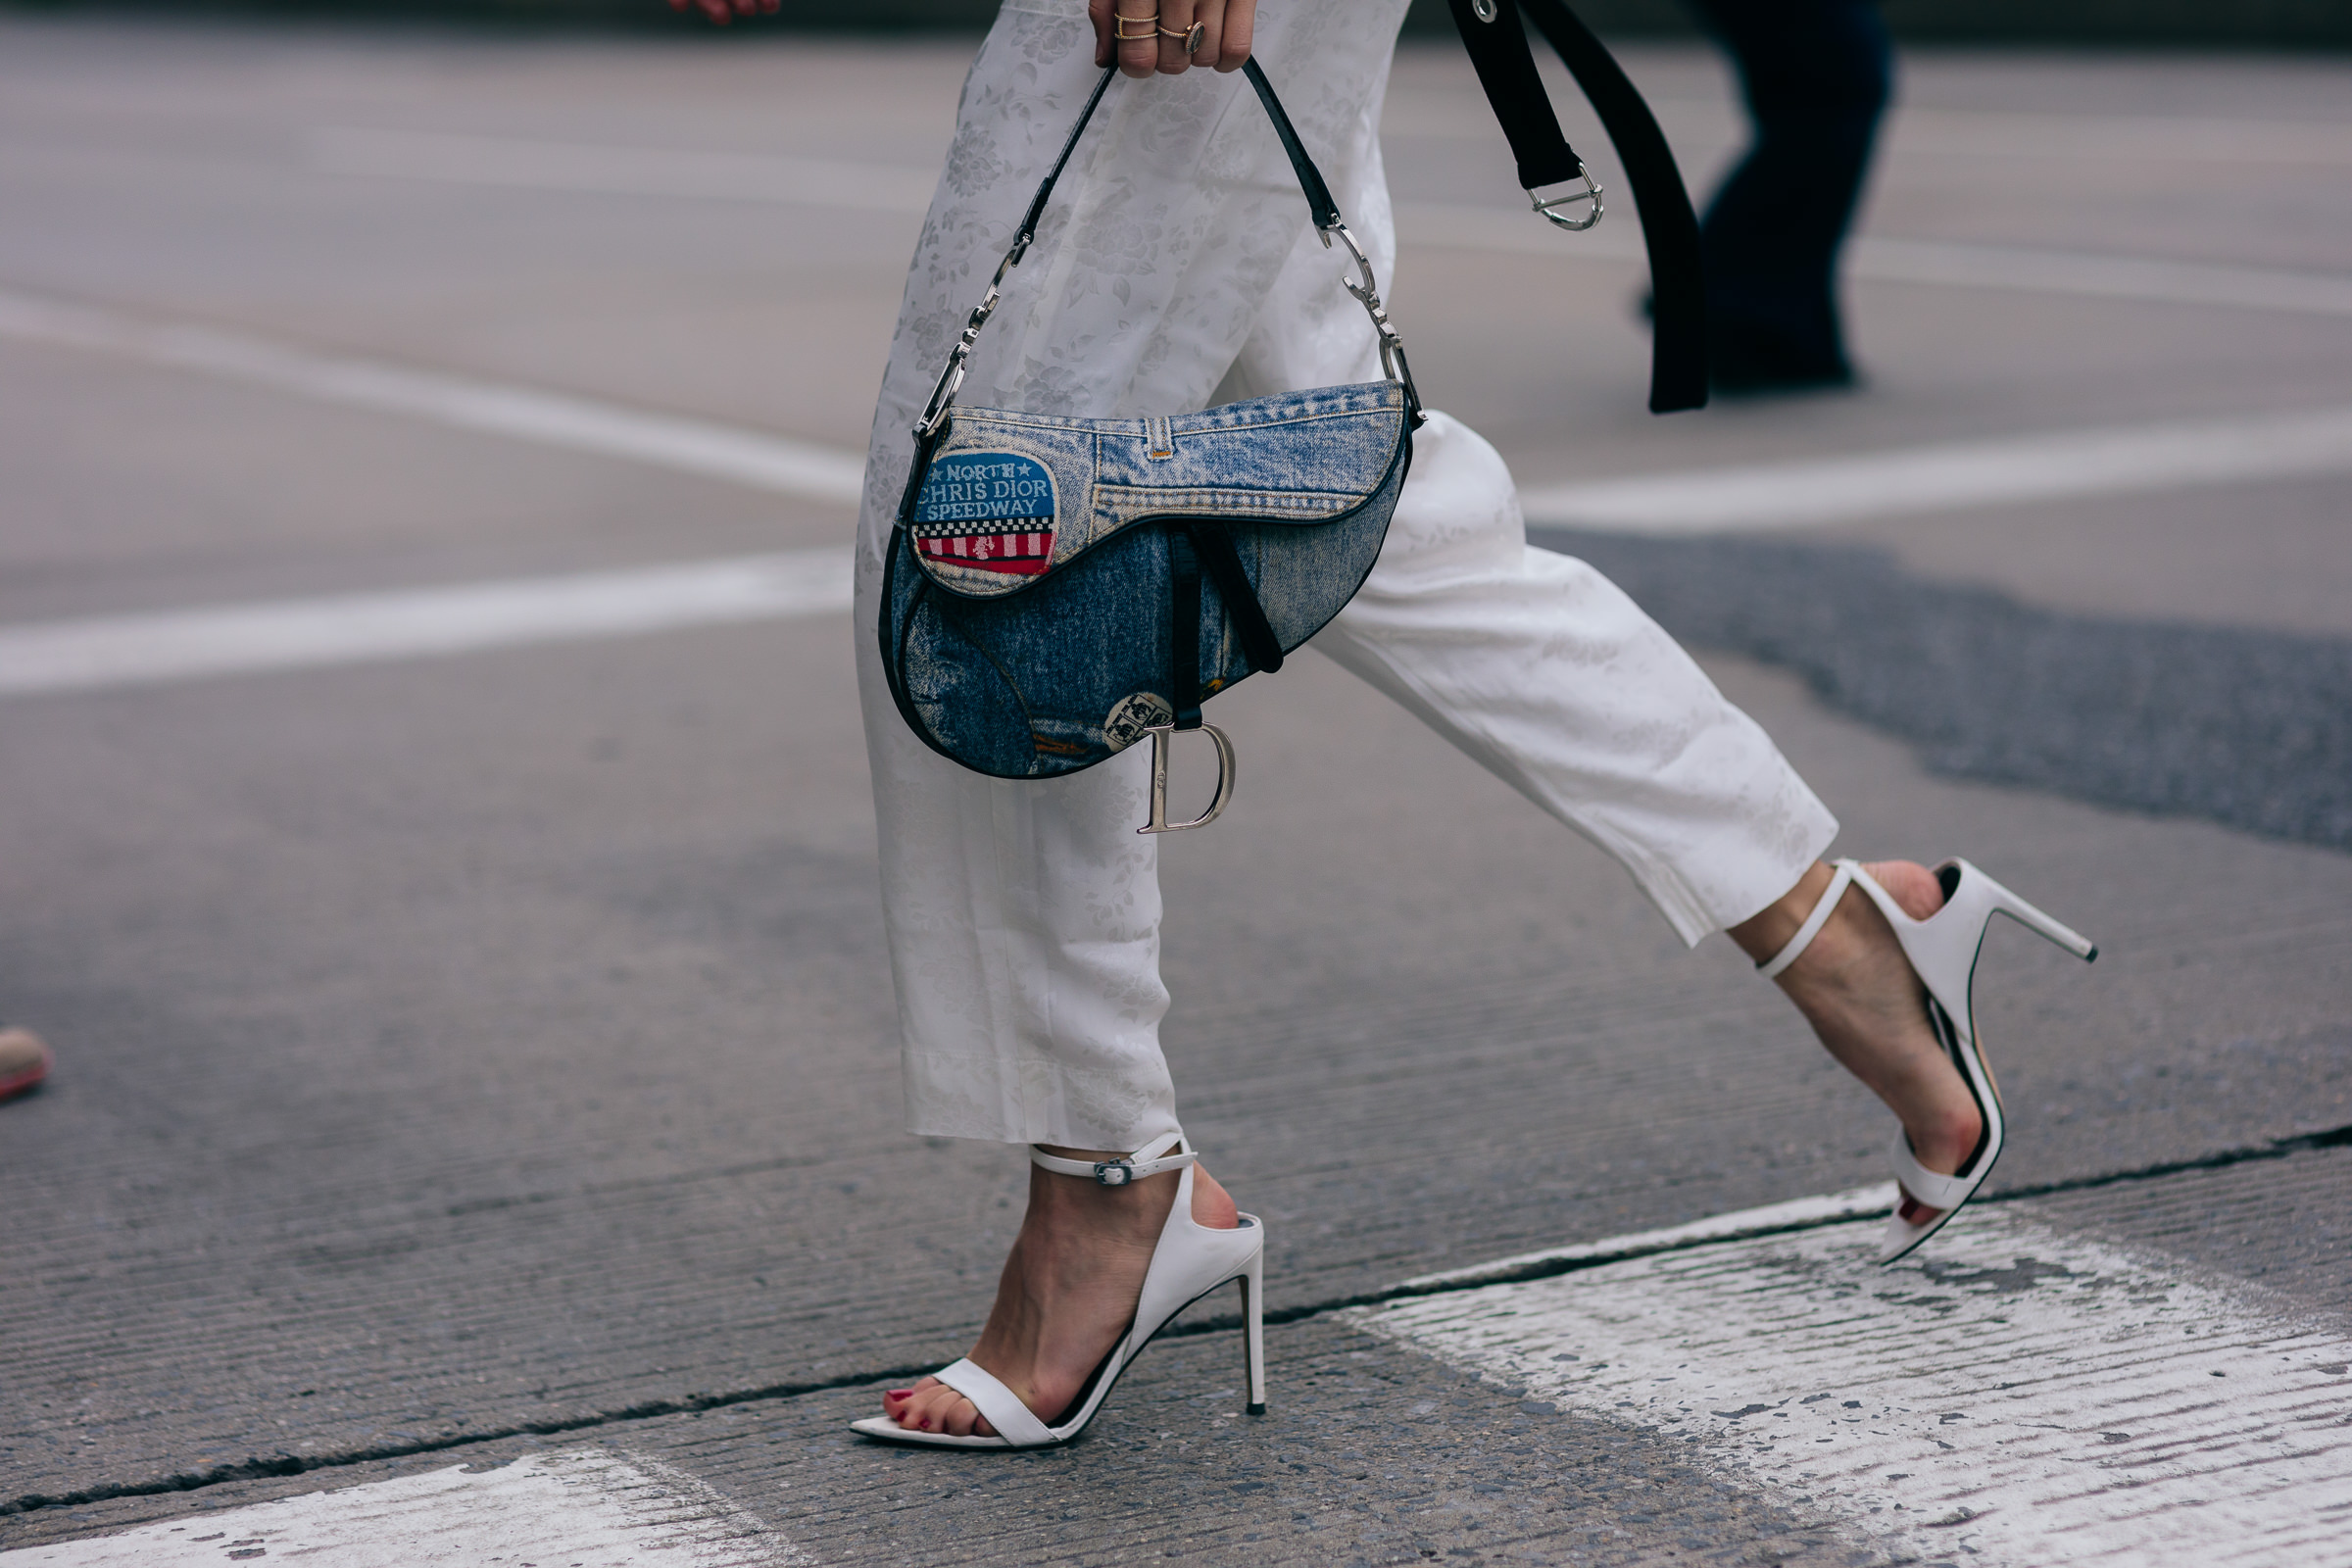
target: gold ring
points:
(1191, 35)
(1118, 27)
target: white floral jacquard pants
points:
(1176, 268)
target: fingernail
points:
(898, 1393)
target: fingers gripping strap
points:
(1771, 967)
(1152, 1160)
(1931, 1188)
(1005, 1411)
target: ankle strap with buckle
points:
(1152, 1160)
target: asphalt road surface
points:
(434, 834)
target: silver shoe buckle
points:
(1113, 1172)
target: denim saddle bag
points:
(1056, 589)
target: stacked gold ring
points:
(1118, 27)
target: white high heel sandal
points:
(1191, 1260)
(1942, 950)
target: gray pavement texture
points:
(2245, 726)
(462, 1055)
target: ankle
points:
(1084, 1204)
(1770, 929)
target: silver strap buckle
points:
(1114, 1172)
(1591, 193)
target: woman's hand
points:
(724, 12)
(1158, 45)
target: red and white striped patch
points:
(1025, 553)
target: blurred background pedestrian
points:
(1817, 75)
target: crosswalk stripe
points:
(2012, 1395)
(582, 1506)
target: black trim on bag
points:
(1214, 546)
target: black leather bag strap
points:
(1214, 546)
(1311, 178)
(1506, 68)
(1319, 204)
(1184, 628)
(1045, 191)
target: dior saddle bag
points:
(1056, 589)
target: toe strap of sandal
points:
(1929, 1187)
(1168, 1151)
(1797, 944)
(1004, 1409)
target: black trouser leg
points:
(1817, 74)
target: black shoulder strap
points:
(1506, 69)
(1070, 145)
(1311, 178)
(1320, 205)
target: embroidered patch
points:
(1132, 715)
(989, 510)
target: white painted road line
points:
(2020, 269)
(362, 628)
(2149, 138)
(1773, 496)
(516, 164)
(1709, 123)
(2125, 461)
(580, 1508)
(522, 165)
(1878, 259)
(163, 647)
(701, 447)
(1800, 1213)
(2015, 1397)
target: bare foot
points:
(1858, 992)
(1067, 1293)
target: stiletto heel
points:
(1189, 1260)
(2034, 921)
(1943, 951)
(1254, 1330)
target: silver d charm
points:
(1162, 739)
